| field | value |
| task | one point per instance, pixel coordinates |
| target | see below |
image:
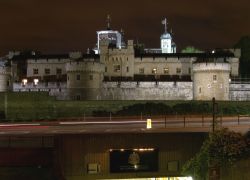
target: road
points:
(95, 125)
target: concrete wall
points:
(238, 171)
(147, 91)
(75, 152)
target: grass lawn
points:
(26, 106)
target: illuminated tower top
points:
(114, 38)
(167, 45)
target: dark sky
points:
(57, 26)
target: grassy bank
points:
(30, 106)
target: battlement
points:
(85, 66)
(5, 70)
(211, 67)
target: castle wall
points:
(42, 64)
(113, 58)
(5, 75)
(239, 92)
(211, 80)
(234, 62)
(84, 79)
(147, 91)
(162, 63)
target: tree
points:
(191, 49)
(222, 147)
(244, 45)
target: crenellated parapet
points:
(90, 66)
(211, 66)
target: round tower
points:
(5, 76)
(84, 79)
(211, 79)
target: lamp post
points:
(214, 108)
(5, 105)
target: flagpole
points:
(165, 25)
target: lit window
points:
(141, 71)
(117, 68)
(24, 82)
(78, 77)
(36, 81)
(58, 71)
(166, 70)
(154, 71)
(214, 77)
(178, 70)
(35, 71)
(47, 71)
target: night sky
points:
(59, 26)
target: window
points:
(189, 70)
(68, 78)
(106, 68)
(58, 71)
(141, 70)
(127, 69)
(35, 71)
(78, 77)
(166, 70)
(214, 77)
(47, 71)
(90, 77)
(154, 71)
(199, 89)
(178, 70)
(117, 68)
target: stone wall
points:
(239, 92)
(5, 75)
(211, 80)
(147, 91)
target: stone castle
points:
(119, 70)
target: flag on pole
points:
(164, 21)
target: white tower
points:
(166, 40)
